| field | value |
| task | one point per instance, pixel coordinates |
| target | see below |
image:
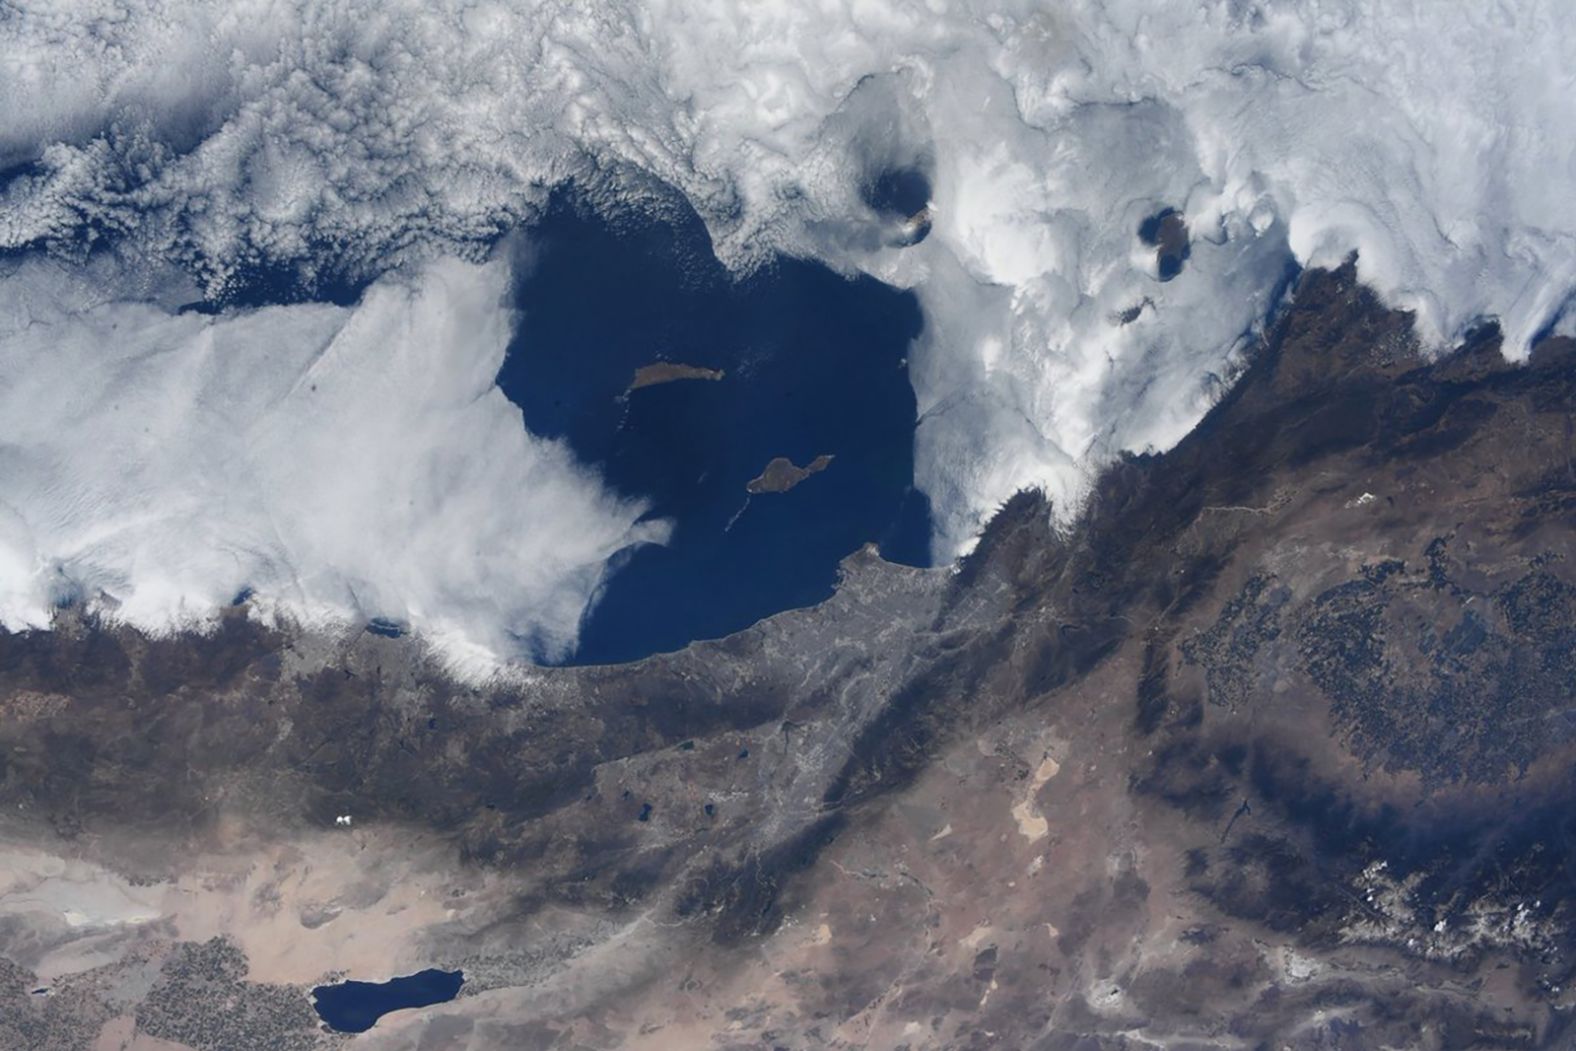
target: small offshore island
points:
(782, 474)
(659, 372)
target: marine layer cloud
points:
(153, 462)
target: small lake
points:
(770, 418)
(355, 1007)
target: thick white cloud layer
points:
(342, 463)
(1437, 139)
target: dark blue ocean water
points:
(354, 1007)
(814, 364)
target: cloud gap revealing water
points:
(770, 418)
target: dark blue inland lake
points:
(354, 1007)
(791, 362)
